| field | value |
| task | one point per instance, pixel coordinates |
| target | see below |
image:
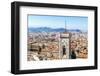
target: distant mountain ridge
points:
(47, 29)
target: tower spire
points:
(65, 25)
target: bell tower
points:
(64, 44)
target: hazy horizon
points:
(56, 22)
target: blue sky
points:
(72, 22)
